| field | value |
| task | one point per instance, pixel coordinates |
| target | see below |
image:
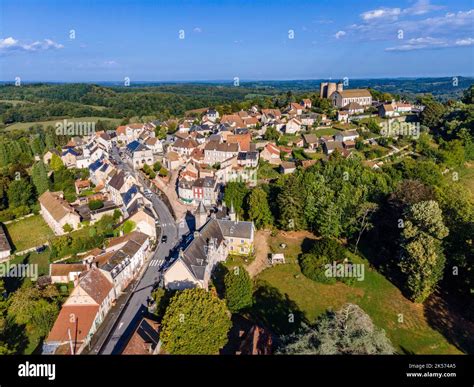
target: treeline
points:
(76, 100)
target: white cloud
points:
(465, 42)
(381, 13)
(421, 7)
(339, 34)
(11, 44)
(423, 43)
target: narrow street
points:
(123, 323)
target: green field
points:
(29, 232)
(375, 294)
(28, 125)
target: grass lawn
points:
(238, 260)
(28, 125)
(325, 132)
(29, 232)
(289, 138)
(267, 171)
(344, 126)
(375, 295)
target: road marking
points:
(120, 325)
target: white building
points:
(344, 97)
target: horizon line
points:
(240, 80)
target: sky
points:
(105, 40)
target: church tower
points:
(232, 212)
(200, 216)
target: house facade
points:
(57, 212)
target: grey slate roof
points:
(117, 181)
(215, 230)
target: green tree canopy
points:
(422, 258)
(259, 210)
(20, 193)
(195, 322)
(238, 289)
(234, 194)
(40, 177)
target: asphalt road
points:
(137, 304)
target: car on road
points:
(40, 249)
(164, 239)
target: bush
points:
(314, 268)
(67, 227)
(324, 252)
(163, 172)
(20, 211)
(95, 204)
(6, 215)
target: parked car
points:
(164, 239)
(40, 249)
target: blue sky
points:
(224, 39)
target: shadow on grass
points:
(307, 245)
(275, 310)
(445, 313)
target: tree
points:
(157, 166)
(291, 204)
(238, 289)
(432, 113)
(195, 322)
(422, 258)
(457, 204)
(363, 220)
(20, 193)
(259, 210)
(162, 299)
(56, 163)
(348, 331)
(128, 226)
(36, 308)
(40, 177)
(234, 194)
(271, 134)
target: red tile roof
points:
(78, 319)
